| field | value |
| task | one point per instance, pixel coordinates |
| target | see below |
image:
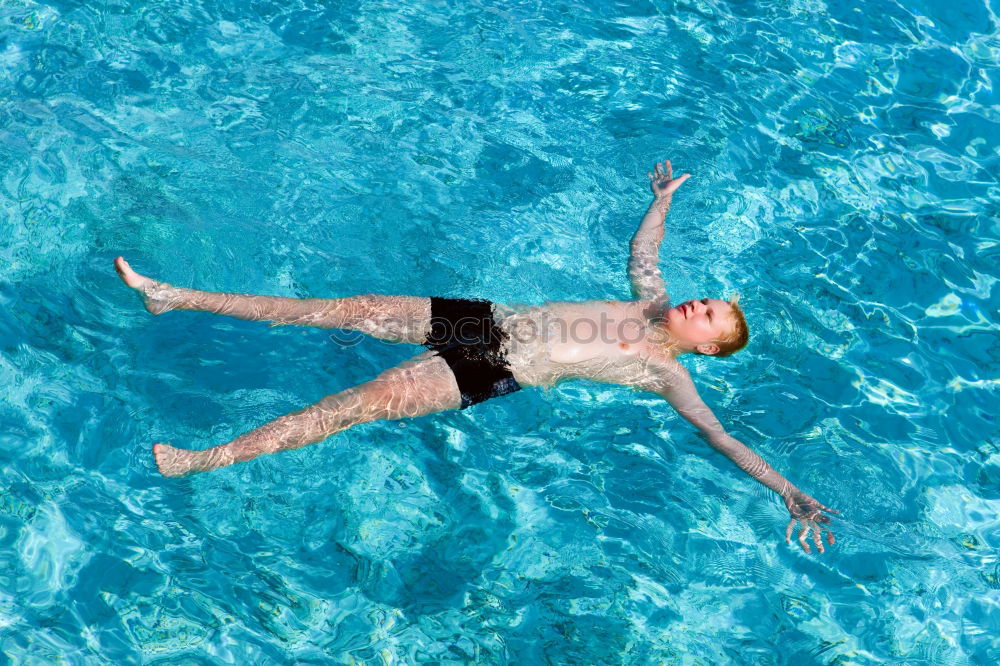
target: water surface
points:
(845, 169)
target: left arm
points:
(683, 396)
(644, 251)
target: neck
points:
(662, 340)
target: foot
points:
(147, 287)
(175, 462)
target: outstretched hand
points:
(662, 181)
(808, 513)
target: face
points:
(695, 324)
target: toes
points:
(168, 461)
(160, 453)
(128, 276)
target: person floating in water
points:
(479, 350)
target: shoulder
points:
(671, 370)
(663, 374)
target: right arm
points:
(644, 255)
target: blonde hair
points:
(738, 337)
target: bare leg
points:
(394, 318)
(422, 385)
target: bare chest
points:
(599, 340)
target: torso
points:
(606, 341)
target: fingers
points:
(802, 537)
(809, 527)
(819, 517)
(674, 184)
(817, 538)
(665, 172)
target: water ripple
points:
(846, 183)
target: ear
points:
(708, 349)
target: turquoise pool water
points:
(845, 161)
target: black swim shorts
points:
(464, 333)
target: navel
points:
(623, 345)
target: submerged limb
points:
(393, 318)
(420, 386)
